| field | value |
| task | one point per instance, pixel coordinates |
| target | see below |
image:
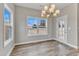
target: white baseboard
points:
(73, 46)
(10, 51)
(34, 41)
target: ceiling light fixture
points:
(50, 10)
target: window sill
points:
(37, 35)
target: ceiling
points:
(39, 6)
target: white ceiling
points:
(39, 6)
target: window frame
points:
(6, 42)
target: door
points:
(62, 29)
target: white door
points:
(62, 29)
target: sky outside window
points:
(6, 15)
(37, 21)
(31, 21)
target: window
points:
(36, 26)
(8, 24)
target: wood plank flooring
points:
(47, 48)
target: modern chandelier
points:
(49, 11)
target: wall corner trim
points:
(8, 54)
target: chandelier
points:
(49, 11)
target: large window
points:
(8, 24)
(36, 26)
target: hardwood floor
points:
(47, 48)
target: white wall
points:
(78, 24)
(5, 50)
(21, 16)
(1, 28)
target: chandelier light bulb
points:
(48, 15)
(57, 11)
(45, 7)
(42, 15)
(54, 14)
(43, 12)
